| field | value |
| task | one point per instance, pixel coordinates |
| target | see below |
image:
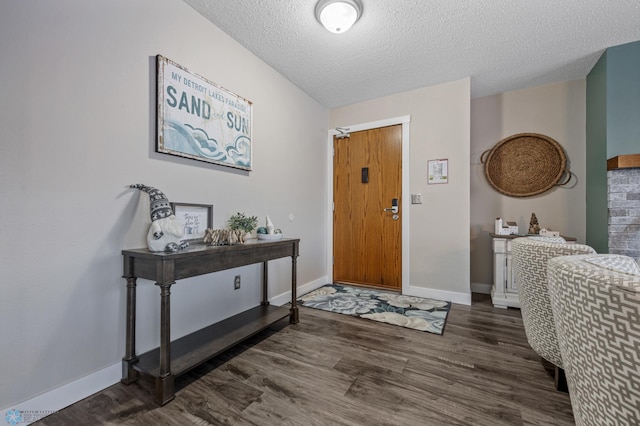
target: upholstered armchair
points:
(530, 256)
(596, 307)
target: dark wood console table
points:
(174, 358)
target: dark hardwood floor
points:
(332, 369)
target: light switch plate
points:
(416, 198)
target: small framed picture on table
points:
(194, 218)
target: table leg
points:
(294, 317)
(165, 381)
(265, 283)
(129, 374)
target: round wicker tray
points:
(525, 164)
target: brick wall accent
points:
(624, 211)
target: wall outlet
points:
(236, 282)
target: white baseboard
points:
(481, 288)
(449, 296)
(56, 399)
(285, 297)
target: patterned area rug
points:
(393, 308)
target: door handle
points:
(394, 206)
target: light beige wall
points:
(556, 110)
(439, 236)
(77, 114)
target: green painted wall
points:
(623, 99)
(596, 149)
(613, 128)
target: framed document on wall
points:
(438, 171)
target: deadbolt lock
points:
(394, 207)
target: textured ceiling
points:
(400, 45)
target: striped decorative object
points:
(616, 263)
(530, 257)
(597, 315)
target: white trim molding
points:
(431, 293)
(285, 297)
(56, 399)
(481, 288)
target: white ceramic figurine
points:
(270, 227)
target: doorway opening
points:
(402, 204)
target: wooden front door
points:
(367, 240)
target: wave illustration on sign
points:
(197, 143)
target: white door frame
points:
(405, 121)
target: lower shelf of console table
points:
(176, 357)
(192, 350)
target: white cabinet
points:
(504, 293)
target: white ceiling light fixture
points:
(338, 16)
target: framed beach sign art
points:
(200, 120)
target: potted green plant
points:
(240, 221)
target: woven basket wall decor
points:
(525, 164)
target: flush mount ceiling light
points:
(338, 16)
